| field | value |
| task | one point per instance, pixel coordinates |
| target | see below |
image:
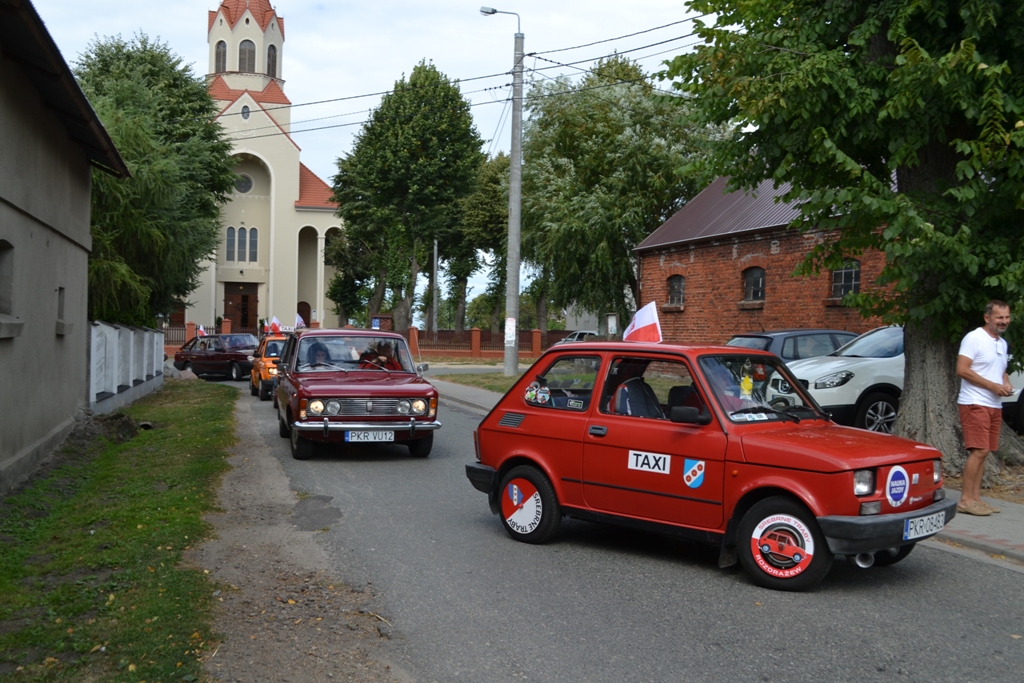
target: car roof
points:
(321, 332)
(797, 330)
(650, 347)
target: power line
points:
(628, 35)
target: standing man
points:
(981, 366)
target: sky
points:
(339, 49)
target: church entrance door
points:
(241, 304)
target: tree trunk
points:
(379, 289)
(928, 411)
(402, 315)
(460, 310)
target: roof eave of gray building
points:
(25, 40)
(723, 236)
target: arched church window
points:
(272, 61)
(247, 57)
(253, 249)
(229, 253)
(220, 58)
(241, 244)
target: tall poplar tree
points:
(411, 164)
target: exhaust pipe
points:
(864, 560)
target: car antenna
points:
(760, 325)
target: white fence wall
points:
(125, 363)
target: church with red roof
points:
(273, 230)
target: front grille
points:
(806, 383)
(369, 406)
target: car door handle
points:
(596, 430)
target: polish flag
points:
(645, 326)
(201, 332)
(275, 325)
(299, 322)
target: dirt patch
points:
(280, 615)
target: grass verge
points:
(90, 583)
(492, 381)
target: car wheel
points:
(252, 388)
(302, 449)
(282, 427)
(420, 448)
(890, 556)
(264, 391)
(781, 547)
(529, 509)
(236, 372)
(877, 413)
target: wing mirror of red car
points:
(689, 415)
(422, 367)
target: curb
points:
(982, 543)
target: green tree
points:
(603, 169)
(411, 164)
(152, 231)
(899, 124)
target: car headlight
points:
(404, 406)
(419, 406)
(316, 407)
(836, 379)
(333, 406)
(863, 482)
(936, 471)
(272, 371)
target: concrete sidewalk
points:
(1000, 534)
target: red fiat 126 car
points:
(355, 386)
(680, 440)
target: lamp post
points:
(515, 197)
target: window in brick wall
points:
(846, 279)
(753, 284)
(677, 290)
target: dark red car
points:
(218, 354)
(682, 440)
(353, 386)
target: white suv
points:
(860, 383)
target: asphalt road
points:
(598, 603)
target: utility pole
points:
(515, 200)
(433, 295)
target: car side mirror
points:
(422, 367)
(690, 415)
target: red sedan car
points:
(218, 354)
(353, 386)
(682, 440)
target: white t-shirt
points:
(988, 359)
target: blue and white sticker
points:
(693, 473)
(897, 486)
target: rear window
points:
(759, 343)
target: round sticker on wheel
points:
(782, 546)
(521, 506)
(897, 486)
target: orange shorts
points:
(981, 427)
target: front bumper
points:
(870, 533)
(485, 479)
(326, 428)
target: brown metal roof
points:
(25, 40)
(716, 213)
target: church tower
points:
(274, 228)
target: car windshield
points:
(884, 342)
(353, 353)
(747, 389)
(759, 343)
(240, 341)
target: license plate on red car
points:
(923, 526)
(369, 436)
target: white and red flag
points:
(275, 325)
(645, 326)
(201, 332)
(299, 322)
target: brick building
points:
(724, 264)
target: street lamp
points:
(515, 198)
